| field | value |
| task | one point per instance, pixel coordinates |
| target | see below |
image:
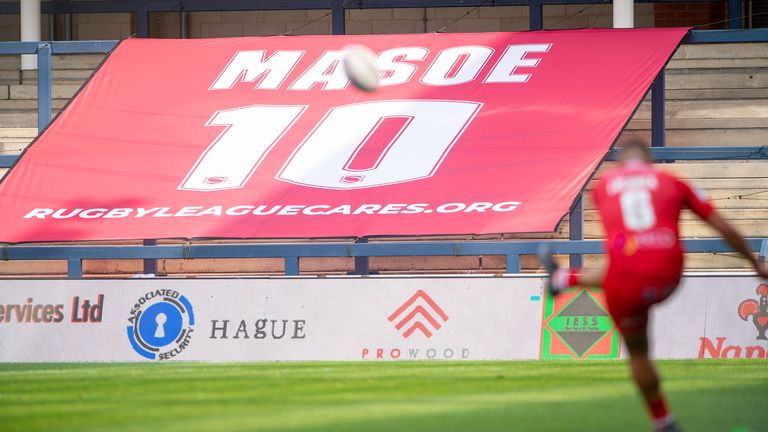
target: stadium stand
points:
(716, 96)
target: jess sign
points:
(265, 137)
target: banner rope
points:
(730, 19)
(441, 29)
(579, 12)
(326, 15)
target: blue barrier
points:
(292, 253)
(763, 251)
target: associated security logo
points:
(412, 316)
(161, 324)
(577, 326)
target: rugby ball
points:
(360, 66)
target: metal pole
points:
(362, 263)
(735, 14)
(576, 221)
(291, 266)
(658, 125)
(536, 15)
(142, 19)
(338, 24)
(74, 268)
(183, 33)
(30, 30)
(51, 27)
(67, 26)
(513, 264)
(623, 13)
(44, 86)
(150, 265)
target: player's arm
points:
(735, 240)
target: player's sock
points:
(663, 420)
(558, 281)
(668, 425)
(563, 279)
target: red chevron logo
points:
(418, 317)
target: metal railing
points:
(44, 51)
(291, 253)
(142, 8)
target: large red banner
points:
(266, 138)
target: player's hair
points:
(637, 145)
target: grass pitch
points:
(408, 396)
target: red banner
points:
(266, 138)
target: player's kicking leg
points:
(557, 277)
(647, 380)
(560, 279)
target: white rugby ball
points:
(360, 67)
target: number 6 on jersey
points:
(637, 209)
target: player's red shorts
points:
(630, 295)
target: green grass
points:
(407, 396)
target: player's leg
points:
(647, 380)
(561, 278)
(629, 296)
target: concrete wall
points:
(705, 16)
(10, 29)
(390, 21)
(101, 26)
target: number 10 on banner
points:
(355, 146)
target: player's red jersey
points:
(640, 207)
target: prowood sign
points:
(372, 319)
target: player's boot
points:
(669, 427)
(556, 275)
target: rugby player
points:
(640, 208)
